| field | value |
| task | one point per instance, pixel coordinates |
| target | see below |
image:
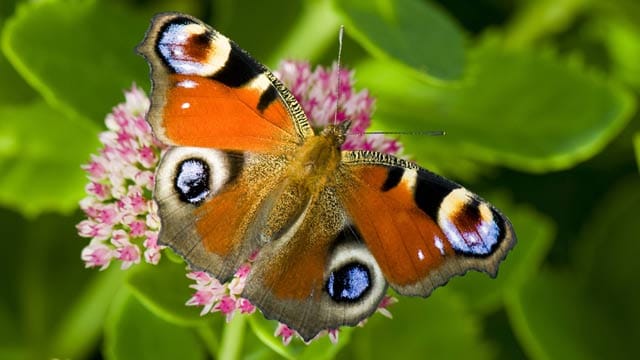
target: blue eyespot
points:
(192, 181)
(349, 283)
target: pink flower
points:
(121, 214)
(208, 291)
(245, 306)
(227, 306)
(216, 297)
(316, 92)
(152, 252)
(384, 305)
(285, 333)
(97, 254)
(333, 335)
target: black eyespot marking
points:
(163, 31)
(394, 175)
(349, 283)
(192, 181)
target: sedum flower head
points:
(316, 91)
(122, 218)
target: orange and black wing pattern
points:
(208, 92)
(421, 228)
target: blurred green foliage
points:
(538, 99)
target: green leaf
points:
(55, 307)
(537, 19)
(289, 36)
(591, 309)
(414, 33)
(606, 258)
(78, 54)
(264, 329)
(132, 332)
(553, 319)
(41, 151)
(441, 326)
(81, 326)
(620, 11)
(11, 345)
(523, 109)
(321, 348)
(535, 236)
(164, 290)
(13, 341)
(14, 89)
(623, 44)
(317, 20)
(636, 144)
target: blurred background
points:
(538, 99)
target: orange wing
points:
(318, 275)
(421, 228)
(210, 93)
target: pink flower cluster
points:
(121, 213)
(317, 90)
(122, 220)
(225, 298)
(287, 334)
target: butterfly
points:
(245, 172)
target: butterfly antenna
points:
(423, 133)
(340, 36)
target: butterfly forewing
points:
(421, 228)
(208, 92)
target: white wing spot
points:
(187, 84)
(185, 105)
(438, 243)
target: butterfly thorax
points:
(317, 160)
(312, 169)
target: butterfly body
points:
(245, 173)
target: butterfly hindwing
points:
(207, 199)
(205, 84)
(421, 228)
(319, 275)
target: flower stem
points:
(232, 338)
(209, 339)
